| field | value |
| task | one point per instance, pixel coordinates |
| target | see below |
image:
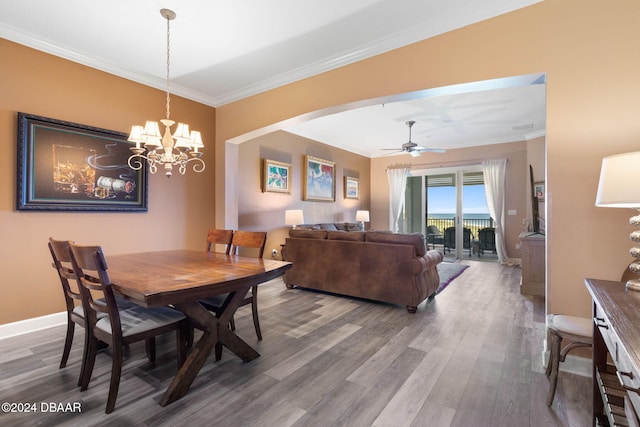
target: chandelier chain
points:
(168, 65)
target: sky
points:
(443, 200)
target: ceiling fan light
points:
(414, 153)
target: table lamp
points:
(619, 187)
(362, 217)
(293, 217)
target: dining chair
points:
(105, 322)
(216, 303)
(248, 240)
(75, 312)
(219, 237)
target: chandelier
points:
(168, 150)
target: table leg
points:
(215, 332)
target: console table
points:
(533, 264)
(616, 338)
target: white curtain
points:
(397, 183)
(494, 187)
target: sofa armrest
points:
(433, 258)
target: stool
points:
(576, 329)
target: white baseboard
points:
(21, 327)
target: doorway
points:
(448, 206)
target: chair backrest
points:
(466, 238)
(61, 255)
(90, 268)
(432, 229)
(450, 238)
(249, 239)
(219, 237)
(487, 238)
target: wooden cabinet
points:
(533, 264)
(616, 353)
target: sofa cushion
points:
(308, 234)
(308, 227)
(353, 226)
(354, 236)
(328, 227)
(415, 239)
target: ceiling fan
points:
(413, 148)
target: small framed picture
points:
(351, 188)
(277, 177)
(538, 187)
(319, 180)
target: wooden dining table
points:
(182, 277)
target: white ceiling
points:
(226, 50)
(481, 113)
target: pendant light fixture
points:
(165, 149)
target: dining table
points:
(180, 278)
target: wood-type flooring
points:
(472, 356)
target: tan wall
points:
(180, 209)
(515, 153)
(586, 47)
(588, 50)
(265, 211)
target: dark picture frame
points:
(64, 166)
(351, 188)
(319, 180)
(539, 188)
(277, 177)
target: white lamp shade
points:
(293, 217)
(151, 134)
(182, 132)
(362, 216)
(196, 139)
(619, 185)
(136, 134)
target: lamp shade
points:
(619, 185)
(362, 216)
(293, 217)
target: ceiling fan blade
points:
(392, 153)
(430, 150)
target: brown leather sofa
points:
(376, 265)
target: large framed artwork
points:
(73, 167)
(351, 188)
(319, 180)
(277, 177)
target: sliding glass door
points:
(448, 206)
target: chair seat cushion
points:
(215, 301)
(570, 324)
(139, 319)
(123, 304)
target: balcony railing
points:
(474, 224)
